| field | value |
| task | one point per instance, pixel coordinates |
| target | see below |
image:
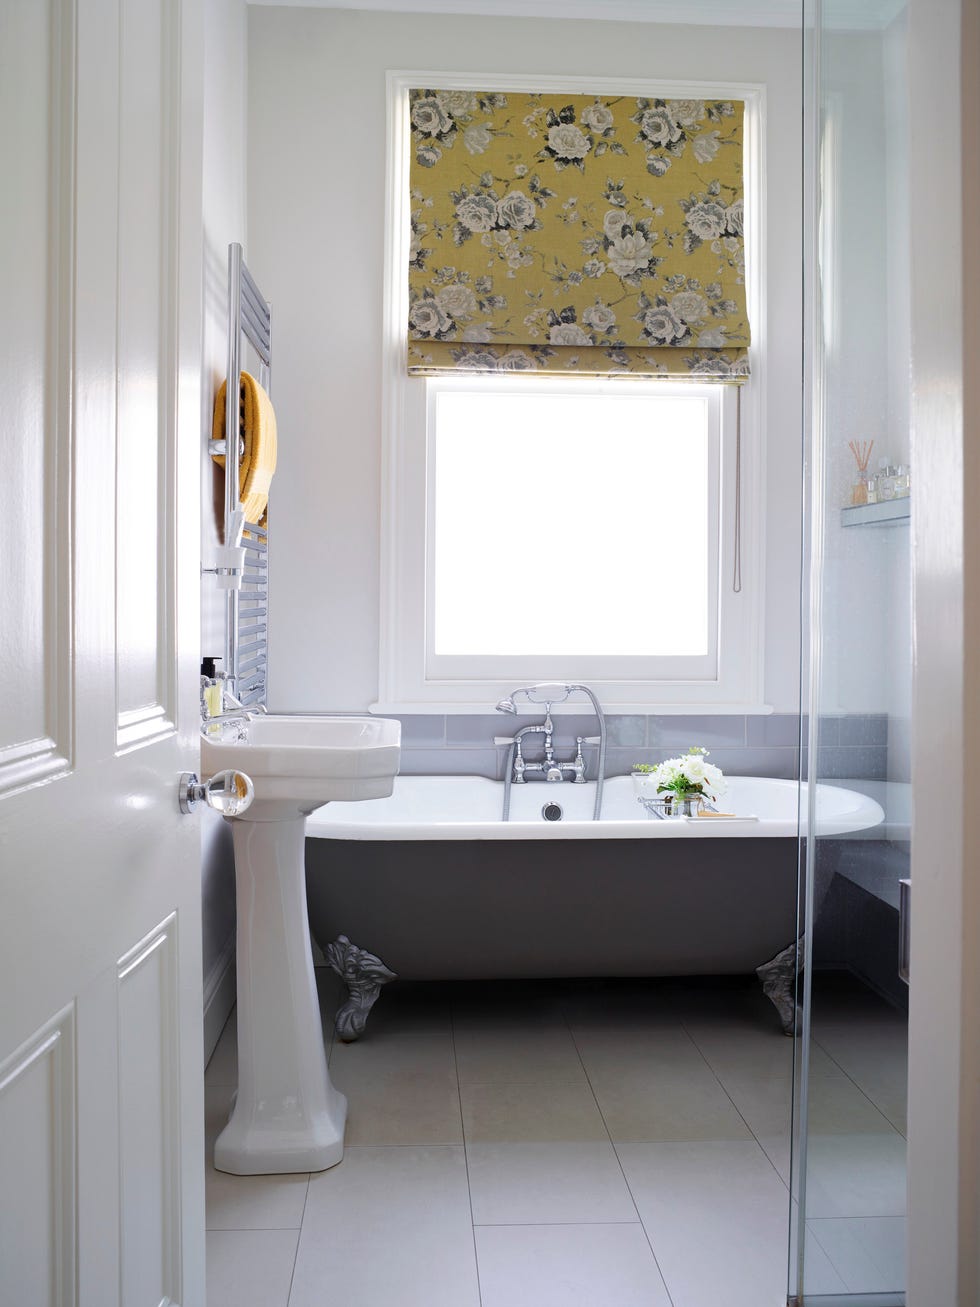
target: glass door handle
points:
(904, 927)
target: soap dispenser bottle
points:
(210, 688)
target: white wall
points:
(867, 610)
(224, 221)
(316, 228)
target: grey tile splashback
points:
(853, 745)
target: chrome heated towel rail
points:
(245, 575)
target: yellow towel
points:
(257, 423)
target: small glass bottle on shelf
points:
(885, 480)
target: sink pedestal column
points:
(287, 1115)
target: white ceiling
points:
(854, 15)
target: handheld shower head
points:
(507, 705)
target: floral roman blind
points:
(576, 234)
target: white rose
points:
(458, 103)
(597, 117)
(735, 218)
(705, 146)
(428, 319)
(478, 335)
(477, 138)
(686, 112)
(614, 222)
(663, 327)
(478, 361)
(516, 210)
(690, 306)
(457, 301)
(706, 220)
(569, 333)
(658, 126)
(600, 317)
(515, 360)
(568, 142)
(428, 117)
(629, 254)
(477, 212)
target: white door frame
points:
(944, 1013)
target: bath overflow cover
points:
(552, 812)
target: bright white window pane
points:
(570, 523)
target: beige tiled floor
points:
(576, 1144)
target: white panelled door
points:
(101, 1151)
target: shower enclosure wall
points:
(849, 1160)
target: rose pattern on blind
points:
(572, 233)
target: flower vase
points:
(685, 805)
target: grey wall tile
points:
(865, 762)
(626, 730)
(421, 729)
(828, 729)
(452, 762)
(778, 728)
(899, 749)
(707, 730)
(778, 761)
(864, 728)
(478, 730)
(620, 758)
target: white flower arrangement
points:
(689, 774)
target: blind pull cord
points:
(737, 566)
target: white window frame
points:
(406, 683)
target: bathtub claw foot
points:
(778, 977)
(363, 974)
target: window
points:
(559, 527)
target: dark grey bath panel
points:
(489, 909)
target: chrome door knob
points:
(228, 792)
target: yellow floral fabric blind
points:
(580, 234)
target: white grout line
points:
(466, 1154)
(619, 1160)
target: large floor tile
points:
(568, 1266)
(875, 1056)
(250, 1268)
(679, 1105)
(868, 1252)
(548, 1183)
(835, 1105)
(254, 1202)
(388, 1226)
(740, 1047)
(504, 1053)
(400, 1090)
(717, 1215)
(610, 1052)
(856, 1175)
(535, 1113)
(409, 1107)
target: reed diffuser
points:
(861, 449)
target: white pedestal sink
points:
(287, 1115)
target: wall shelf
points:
(890, 512)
